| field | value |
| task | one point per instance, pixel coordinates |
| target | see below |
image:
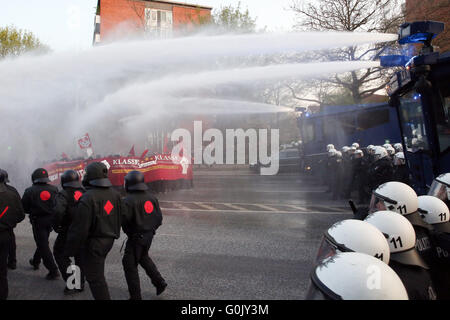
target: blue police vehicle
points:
(365, 124)
(420, 94)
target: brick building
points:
(156, 18)
(437, 10)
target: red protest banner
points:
(160, 167)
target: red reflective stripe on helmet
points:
(45, 195)
(4, 211)
(148, 207)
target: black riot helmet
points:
(97, 175)
(134, 181)
(40, 175)
(70, 178)
(3, 180)
(4, 176)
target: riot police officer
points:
(401, 198)
(405, 259)
(39, 202)
(12, 260)
(436, 213)
(67, 200)
(141, 220)
(381, 169)
(353, 236)
(95, 226)
(11, 213)
(347, 275)
(440, 188)
(401, 172)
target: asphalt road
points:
(236, 235)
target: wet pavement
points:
(236, 235)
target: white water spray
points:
(48, 101)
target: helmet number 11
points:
(395, 241)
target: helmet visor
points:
(376, 204)
(326, 250)
(439, 190)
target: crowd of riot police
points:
(88, 216)
(353, 169)
(397, 245)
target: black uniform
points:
(401, 173)
(141, 219)
(12, 258)
(95, 226)
(441, 265)
(380, 171)
(66, 206)
(423, 239)
(11, 213)
(39, 202)
(417, 281)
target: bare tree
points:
(351, 16)
(139, 9)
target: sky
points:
(67, 25)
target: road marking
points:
(253, 211)
(233, 206)
(295, 207)
(204, 206)
(265, 207)
(180, 206)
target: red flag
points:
(132, 153)
(166, 147)
(144, 153)
(85, 142)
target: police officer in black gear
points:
(67, 200)
(441, 266)
(11, 213)
(95, 226)
(39, 202)
(142, 217)
(12, 260)
(380, 171)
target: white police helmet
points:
(435, 212)
(400, 236)
(440, 188)
(345, 149)
(353, 235)
(394, 196)
(359, 154)
(387, 145)
(399, 159)
(398, 147)
(330, 146)
(332, 153)
(379, 152)
(355, 145)
(347, 276)
(390, 150)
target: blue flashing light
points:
(417, 96)
(419, 32)
(307, 114)
(394, 60)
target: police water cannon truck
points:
(420, 94)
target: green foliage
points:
(14, 42)
(234, 19)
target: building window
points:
(158, 23)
